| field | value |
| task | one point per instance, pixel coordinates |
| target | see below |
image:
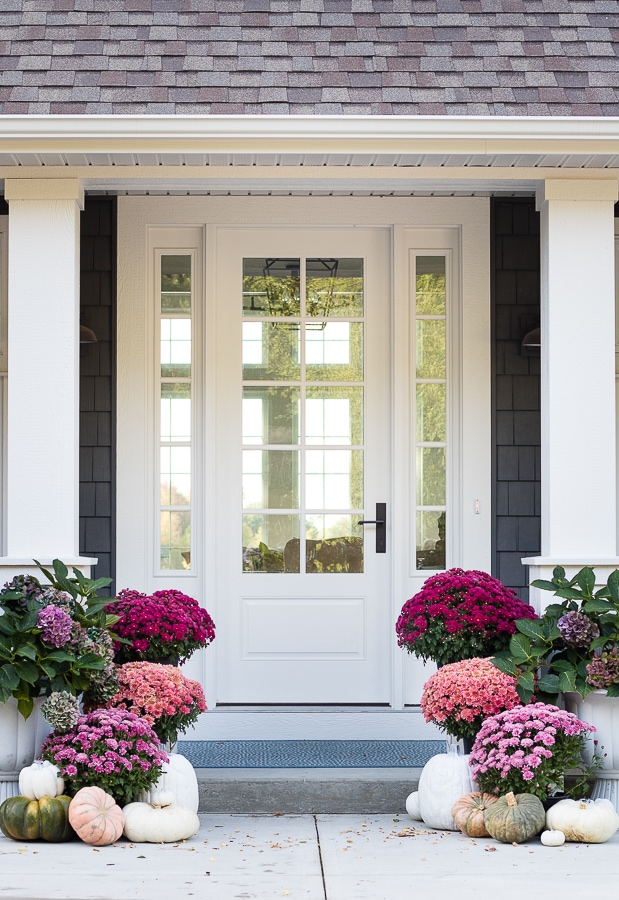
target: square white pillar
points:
(578, 436)
(42, 504)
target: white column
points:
(43, 372)
(578, 453)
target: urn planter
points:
(602, 712)
(20, 742)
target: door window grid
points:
(175, 303)
(278, 536)
(430, 323)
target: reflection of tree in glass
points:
(179, 281)
(431, 293)
(269, 295)
(334, 297)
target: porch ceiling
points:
(378, 155)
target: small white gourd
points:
(179, 777)
(552, 838)
(412, 806)
(145, 823)
(445, 778)
(588, 821)
(41, 779)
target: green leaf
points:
(613, 586)
(27, 651)
(60, 656)
(567, 681)
(525, 686)
(531, 627)
(585, 579)
(558, 573)
(544, 585)
(27, 671)
(10, 677)
(549, 684)
(520, 647)
(598, 642)
(6, 624)
(60, 569)
(569, 593)
(504, 665)
(613, 690)
(25, 705)
(597, 606)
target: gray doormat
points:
(309, 754)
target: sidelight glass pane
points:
(334, 352)
(270, 352)
(431, 412)
(175, 411)
(271, 415)
(175, 539)
(271, 287)
(430, 539)
(430, 285)
(334, 415)
(431, 348)
(270, 479)
(333, 544)
(334, 479)
(175, 475)
(176, 348)
(175, 284)
(431, 476)
(334, 287)
(270, 543)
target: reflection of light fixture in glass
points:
(87, 335)
(270, 302)
(531, 342)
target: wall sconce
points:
(87, 335)
(531, 342)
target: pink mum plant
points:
(461, 695)
(161, 695)
(528, 749)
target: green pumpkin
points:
(30, 820)
(515, 818)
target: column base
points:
(10, 566)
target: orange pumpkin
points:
(468, 813)
(95, 817)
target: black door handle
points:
(381, 527)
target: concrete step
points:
(306, 791)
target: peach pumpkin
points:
(95, 817)
(468, 813)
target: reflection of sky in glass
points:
(175, 419)
(252, 343)
(253, 484)
(175, 476)
(329, 345)
(253, 423)
(328, 421)
(176, 341)
(327, 480)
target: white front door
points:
(303, 456)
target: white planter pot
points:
(602, 712)
(20, 743)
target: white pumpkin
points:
(412, 806)
(552, 838)
(588, 821)
(41, 779)
(179, 777)
(159, 825)
(444, 779)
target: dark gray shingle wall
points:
(329, 57)
(516, 389)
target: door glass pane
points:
(430, 285)
(270, 479)
(270, 543)
(334, 415)
(270, 352)
(175, 539)
(431, 486)
(271, 415)
(431, 412)
(431, 348)
(175, 411)
(175, 474)
(430, 539)
(334, 352)
(334, 287)
(176, 348)
(271, 287)
(175, 284)
(334, 479)
(334, 544)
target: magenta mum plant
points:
(166, 624)
(161, 695)
(461, 695)
(110, 748)
(460, 614)
(528, 749)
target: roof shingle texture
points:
(310, 57)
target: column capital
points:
(44, 189)
(577, 189)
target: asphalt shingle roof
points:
(305, 57)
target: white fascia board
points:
(480, 135)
